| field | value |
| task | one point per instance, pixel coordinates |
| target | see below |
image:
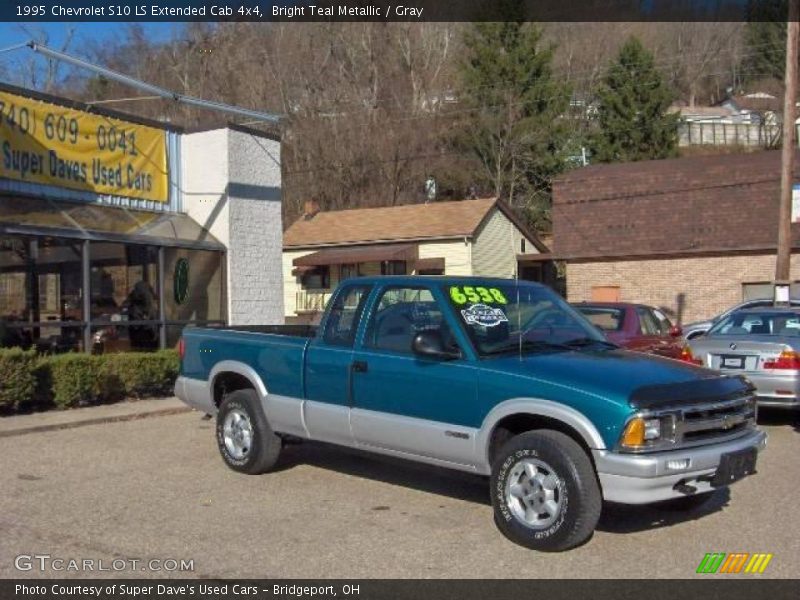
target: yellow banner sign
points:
(46, 143)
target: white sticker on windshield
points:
(482, 314)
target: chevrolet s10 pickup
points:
(490, 376)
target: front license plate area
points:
(734, 466)
(733, 362)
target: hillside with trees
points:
(371, 110)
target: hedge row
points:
(67, 380)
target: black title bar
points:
(389, 10)
(745, 587)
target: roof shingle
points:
(722, 203)
(406, 222)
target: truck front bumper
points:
(645, 478)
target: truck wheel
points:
(545, 493)
(245, 440)
(686, 503)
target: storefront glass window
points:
(15, 301)
(40, 293)
(193, 285)
(124, 291)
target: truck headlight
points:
(648, 432)
(652, 429)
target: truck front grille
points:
(716, 421)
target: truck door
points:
(328, 367)
(407, 403)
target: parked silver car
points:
(762, 344)
(698, 328)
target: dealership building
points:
(116, 232)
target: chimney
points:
(310, 209)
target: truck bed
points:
(305, 331)
(275, 352)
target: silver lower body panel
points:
(195, 393)
(646, 478)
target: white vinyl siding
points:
(496, 247)
(456, 254)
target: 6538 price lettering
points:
(468, 293)
(66, 129)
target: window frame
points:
(387, 267)
(375, 305)
(324, 271)
(645, 313)
(356, 267)
(593, 309)
(368, 290)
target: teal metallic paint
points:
(595, 383)
(277, 359)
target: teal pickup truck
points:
(489, 376)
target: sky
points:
(12, 33)
(19, 61)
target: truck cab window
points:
(343, 317)
(647, 322)
(401, 313)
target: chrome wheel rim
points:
(237, 432)
(534, 493)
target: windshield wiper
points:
(528, 345)
(587, 341)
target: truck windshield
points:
(524, 318)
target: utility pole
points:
(787, 157)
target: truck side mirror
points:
(429, 343)
(675, 331)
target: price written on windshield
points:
(468, 293)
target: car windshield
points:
(605, 317)
(501, 318)
(745, 323)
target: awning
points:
(25, 215)
(358, 254)
(537, 258)
(300, 271)
(430, 264)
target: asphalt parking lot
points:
(156, 488)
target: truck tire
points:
(245, 440)
(545, 492)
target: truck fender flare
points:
(240, 368)
(537, 407)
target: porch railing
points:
(311, 300)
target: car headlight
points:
(652, 429)
(648, 432)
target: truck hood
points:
(633, 379)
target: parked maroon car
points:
(635, 326)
